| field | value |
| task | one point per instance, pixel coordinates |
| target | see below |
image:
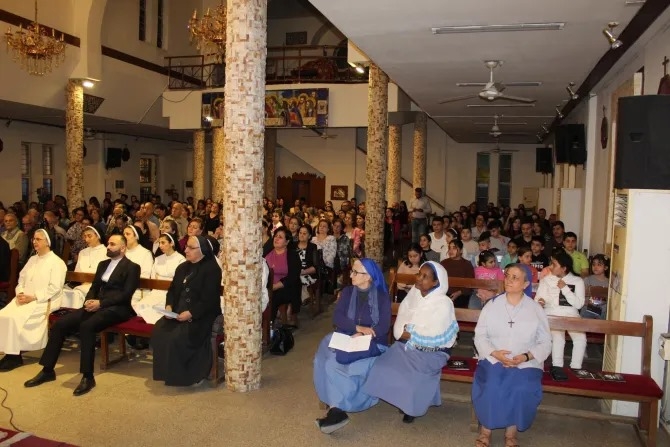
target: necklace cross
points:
(510, 322)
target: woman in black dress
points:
(181, 345)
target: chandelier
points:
(209, 32)
(37, 52)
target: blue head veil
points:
(375, 273)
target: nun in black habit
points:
(181, 346)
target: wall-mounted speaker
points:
(643, 143)
(571, 144)
(543, 160)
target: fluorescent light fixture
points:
(500, 105)
(360, 69)
(353, 65)
(549, 26)
(87, 83)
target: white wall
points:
(173, 162)
(327, 33)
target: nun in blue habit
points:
(407, 375)
(364, 308)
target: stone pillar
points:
(74, 143)
(270, 175)
(419, 166)
(395, 155)
(198, 164)
(218, 155)
(375, 189)
(243, 183)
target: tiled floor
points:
(128, 409)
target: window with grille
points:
(146, 170)
(482, 180)
(504, 179)
(47, 169)
(143, 21)
(160, 24)
(25, 172)
(148, 167)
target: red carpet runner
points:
(14, 439)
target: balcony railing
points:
(284, 65)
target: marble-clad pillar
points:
(270, 174)
(394, 157)
(375, 190)
(243, 184)
(199, 164)
(74, 143)
(218, 155)
(419, 165)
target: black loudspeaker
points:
(571, 144)
(543, 161)
(643, 143)
(113, 158)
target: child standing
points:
(487, 269)
(596, 307)
(562, 294)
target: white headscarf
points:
(430, 315)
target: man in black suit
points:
(107, 303)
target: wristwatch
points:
(527, 356)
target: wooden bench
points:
(640, 388)
(136, 326)
(498, 286)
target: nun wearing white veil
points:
(87, 262)
(24, 321)
(407, 375)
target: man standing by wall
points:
(420, 209)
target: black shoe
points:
(10, 362)
(40, 378)
(558, 374)
(334, 420)
(407, 419)
(84, 386)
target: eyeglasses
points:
(356, 272)
(192, 248)
(513, 277)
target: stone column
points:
(270, 175)
(198, 164)
(395, 154)
(419, 166)
(243, 183)
(375, 189)
(74, 143)
(218, 155)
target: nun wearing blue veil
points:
(407, 375)
(363, 308)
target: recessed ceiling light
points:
(87, 83)
(549, 26)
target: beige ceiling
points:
(396, 35)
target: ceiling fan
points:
(493, 90)
(324, 135)
(497, 150)
(495, 130)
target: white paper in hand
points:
(163, 311)
(345, 343)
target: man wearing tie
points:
(107, 303)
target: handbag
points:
(282, 341)
(345, 358)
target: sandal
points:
(511, 441)
(483, 440)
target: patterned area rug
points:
(16, 439)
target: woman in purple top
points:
(364, 308)
(285, 266)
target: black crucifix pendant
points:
(511, 323)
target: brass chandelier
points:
(209, 32)
(37, 52)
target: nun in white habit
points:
(407, 375)
(139, 255)
(87, 262)
(24, 321)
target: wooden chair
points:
(9, 287)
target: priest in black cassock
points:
(181, 346)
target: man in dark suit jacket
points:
(107, 303)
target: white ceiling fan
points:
(324, 135)
(497, 150)
(493, 91)
(496, 132)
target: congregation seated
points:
(167, 227)
(107, 303)
(87, 262)
(16, 238)
(458, 267)
(23, 322)
(181, 345)
(285, 264)
(363, 309)
(164, 268)
(5, 259)
(325, 241)
(309, 256)
(194, 228)
(512, 339)
(407, 375)
(410, 265)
